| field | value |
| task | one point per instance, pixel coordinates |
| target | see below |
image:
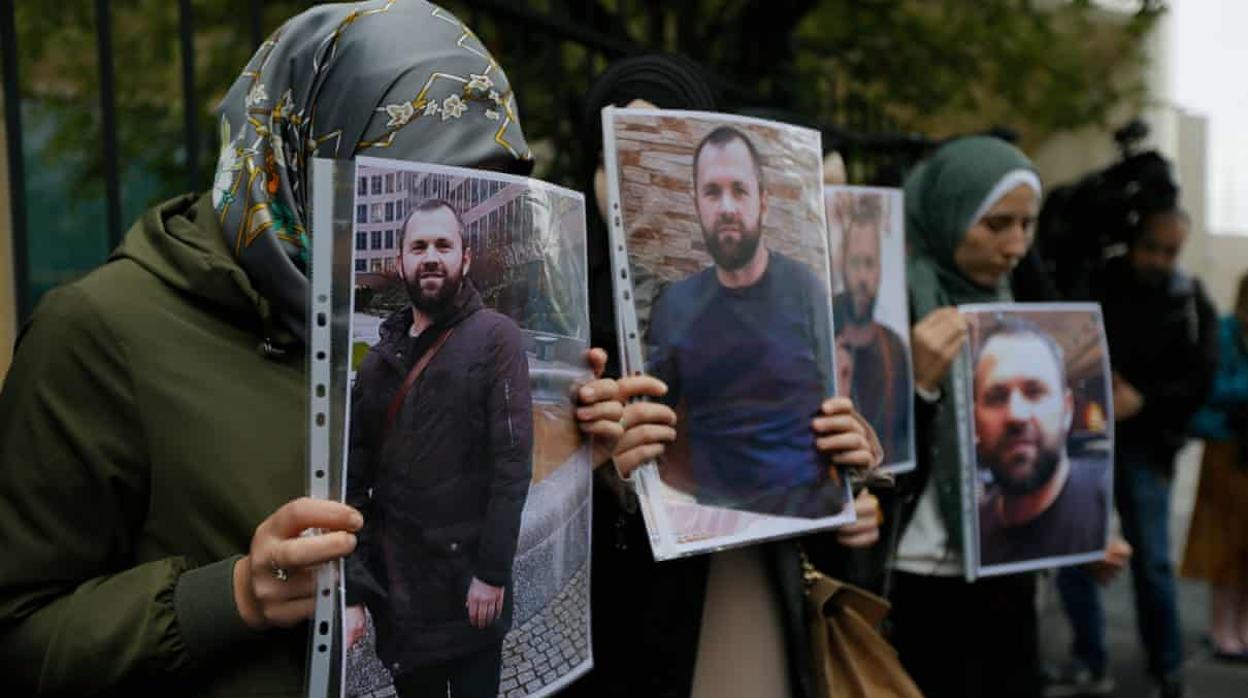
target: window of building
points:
(361, 213)
(378, 211)
(398, 210)
(361, 241)
(374, 265)
(362, 189)
(389, 239)
(389, 210)
(376, 240)
(361, 265)
(390, 183)
(390, 265)
(376, 184)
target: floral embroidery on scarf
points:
(399, 114)
(284, 222)
(258, 95)
(228, 165)
(453, 107)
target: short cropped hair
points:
(426, 206)
(867, 210)
(1013, 326)
(722, 136)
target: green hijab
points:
(945, 196)
(401, 79)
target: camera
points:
(1087, 222)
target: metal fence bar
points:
(17, 165)
(108, 120)
(257, 23)
(190, 105)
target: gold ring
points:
(278, 571)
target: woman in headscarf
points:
(152, 424)
(725, 624)
(970, 211)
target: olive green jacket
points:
(144, 434)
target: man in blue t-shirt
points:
(745, 349)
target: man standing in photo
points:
(1041, 502)
(744, 347)
(440, 463)
(880, 379)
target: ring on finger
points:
(279, 572)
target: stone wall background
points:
(655, 156)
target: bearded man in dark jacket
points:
(440, 465)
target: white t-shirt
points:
(924, 547)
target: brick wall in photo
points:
(655, 157)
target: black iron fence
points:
(87, 153)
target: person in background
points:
(970, 211)
(153, 424)
(659, 627)
(1162, 333)
(1217, 541)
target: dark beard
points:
(437, 303)
(1046, 465)
(744, 252)
(852, 313)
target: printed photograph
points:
(722, 220)
(469, 336)
(1043, 435)
(871, 316)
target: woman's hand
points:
(844, 436)
(648, 426)
(1117, 556)
(865, 531)
(936, 339)
(275, 585)
(599, 408)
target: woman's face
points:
(600, 175)
(998, 240)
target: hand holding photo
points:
(1040, 411)
(468, 340)
(723, 294)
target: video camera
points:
(1083, 224)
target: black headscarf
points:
(667, 81)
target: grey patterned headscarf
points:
(401, 79)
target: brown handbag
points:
(851, 658)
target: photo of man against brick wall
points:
(726, 243)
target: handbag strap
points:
(396, 403)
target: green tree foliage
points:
(943, 67)
(933, 66)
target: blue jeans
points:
(1142, 491)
